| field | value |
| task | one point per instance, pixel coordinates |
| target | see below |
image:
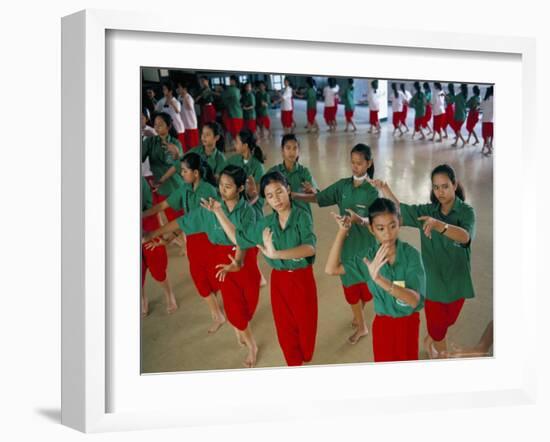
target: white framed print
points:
(104, 386)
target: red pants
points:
(418, 124)
(395, 339)
(286, 118)
(427, 116)
(349, 116)
(240, 290)
(397, 118)
(457, 125)
(191, 139)
(329, 114)
(373, 118)
(199, 253)
(181, 139)
(208, 114)
(471, 121)
(294, 305)
(357, 292)
(250, 125)
(449, 116)
(311, 114)
(235, 126)
(439, 122)
(487, 130)
(404, 114)
(440, 316)
(155, 260)
(264, 122)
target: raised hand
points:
(151, 244)
(224, 269)
(211, 204)
(355, 219)
(268, 249)
(378, 262)
(251, 188)
(429, 225)
(344, 222)
(172, 148)
(308, 187)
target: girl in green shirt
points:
(459, 101)
(394, 273)
(448, 227)
(473, 114)
(418, 102)
(212, 147)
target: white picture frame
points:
(86, 352)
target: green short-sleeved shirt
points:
(249, 100)
(460, 107)
(407, 271)
(261, 108)
(447, 263)
(473, 103)
(232, 102)
(186, 198)
(358, 199)
(311, 98)
(255, 169)
(349, 100)
(216, 160)
(428, 96)
(418, 103)
(295, 178)
(205, 96)
(146, 195)
(201, 220)
(298, 231)
(161, 160)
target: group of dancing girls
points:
(446, 110)
(218, 204)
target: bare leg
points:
(218, 318)
(480, 349)
(144, 304)
(359, 319)
(476, 142)
(171, 304)
(252, 347)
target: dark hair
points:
(374, 84)
(248, 138)
(416, 86)
(195, 162)
(272, 177)
(288, 137)
(394, 88)
(476, 90)
(237, 174)
(183, 84)
(367, 154)
(445, 169)
(464, 90)
(146, 114)
(381, 206)
(216, 129)
(168, 85)
(168, 120)
(402, 87)
(350, 81)
(204, 77)
(437, 85)
(310, 82)
(451, 88)
(426, 87)
(289, 82)
(332, 82)
(488, 93)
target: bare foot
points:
(354, 339)
(240, 340)
(250, 360)
(172, 305)
(216, 324)
(144, 308)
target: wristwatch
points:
(445, 229)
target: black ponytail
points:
(237, 174)
(445, 169)
(394, 88)
(248, 138)
(218, 132)
(366, 151)
(194, 162)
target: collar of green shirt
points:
(239, 206)
(457, 205)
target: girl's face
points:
(443, 188)
(143, 120)
(385, 228)
(287, 83)
(189, 175)
(228, 188)
(262, 87)
(239, 146)
(291, 151)
(248, 87)
(161, 127)
(208, 139)
(277, 196)
(359, 165)
(166, 92)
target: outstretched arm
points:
(334, 264)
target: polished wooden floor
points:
(179, 342)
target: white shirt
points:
(286, 104)
(487, 110)
(397, 103)
(187, 112)
(373, 100)
(330, 95)
(175, 114)
(408, 95)
(438, 102)
(147, 132)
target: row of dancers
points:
(219, 203)
(248, 107)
